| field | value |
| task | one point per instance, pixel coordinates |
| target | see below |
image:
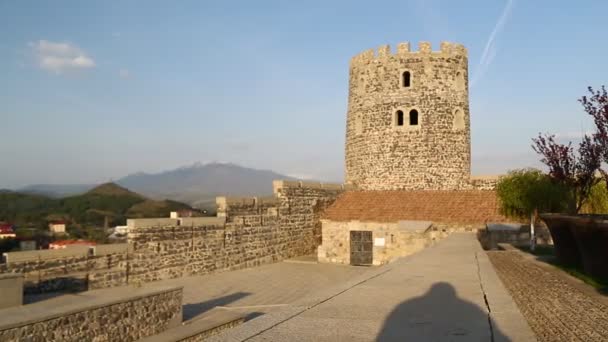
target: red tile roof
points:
(467, 206)
(6, 228)
(73, 242)
(57, 222)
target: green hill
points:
(26, 209)
(107, 203)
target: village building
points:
(7, 231)
(61, 244)
(57, 227)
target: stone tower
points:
(408, 119)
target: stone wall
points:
(517, 236)
(435, 154)
(75, 268)
(105, 316)
(247, 232)
(391, 240)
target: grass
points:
(577, 272)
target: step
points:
(201, 326)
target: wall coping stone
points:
(112, 248)
(202, 221)
(493, 227)
(46, 254)
(10, 275)
(70, 304)
(151, 222)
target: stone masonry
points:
(248, 232)
(388, 149)
(127, 315)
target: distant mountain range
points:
(197, 184)
(106, 203)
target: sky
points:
(96, 90)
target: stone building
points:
(408, 153)
(408, 119)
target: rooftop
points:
(465, 206)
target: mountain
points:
(56, 190)
(197, 184)
(112, 189)
(106, 203)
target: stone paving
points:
(555, 308)
(258, 290)
(447, 292)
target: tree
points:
(596, 106)
(577, 171)
(574, 171)
(523, 191)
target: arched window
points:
(458, 119)
(407, 79)
(399, 117)
(413, 117)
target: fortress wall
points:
(247, 232)
(256, 231)
(302, 206)
(484, 183)
(74, 269)
(127, 315)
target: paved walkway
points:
(448, 292)
(557, 307)
(259, 290)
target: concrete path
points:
(256, 291)
(448, 292)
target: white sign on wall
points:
(379, 242)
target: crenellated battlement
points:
(446, 49)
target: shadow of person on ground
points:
(439, 315)
(191, 310)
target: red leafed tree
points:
(577, 170)
(596, 105)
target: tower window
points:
(413, 117)
(407, 78)
(399, 115)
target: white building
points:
(57, 227)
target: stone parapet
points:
(127, 314)
(11, 290)
(447, 49)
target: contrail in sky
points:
(489, 51)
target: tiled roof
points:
(6, 228)
(73, 242)
(467, 206)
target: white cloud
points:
(124, 73)
(60, 57)
(489, 51)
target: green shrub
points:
(524, 190)
(597, 203)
